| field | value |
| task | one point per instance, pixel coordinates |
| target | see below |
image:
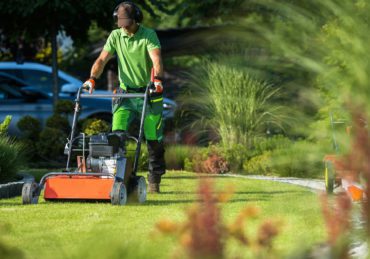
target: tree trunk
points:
(54, 51)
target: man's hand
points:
(89, 85)
(157, 86)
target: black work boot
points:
(154, 183)
(157, 165)
(154, 188)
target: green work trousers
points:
(126, 110)
(129, 109)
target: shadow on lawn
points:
(169, 202)
(195, 177)
(10, 204)
(271, 192)
(238, 192)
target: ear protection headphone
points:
(138, 14)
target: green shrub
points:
(176, 155)
(235, 155)
(47, 143)
(95, 126)
(188, 164)
(30, 148)
(64, 107)
(5, 125)
(11, 157)
(57, 121)
(262, 144)
(302, 159)
(258, 164)
(195, 162)
(287, 158)
(51, 143)
(30, 127)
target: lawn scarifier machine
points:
(333, 161)
(335, 167)
(104, 174)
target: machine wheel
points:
(118, 194)
(329, 176)
(29, 193)
(138, 190)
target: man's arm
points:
(99, 64)
(156, 57)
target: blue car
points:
(19, 100)
(40, 76)
(19, 97)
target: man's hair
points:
(129, 10)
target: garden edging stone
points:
(13, 189)
(9, 190)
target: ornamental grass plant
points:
(229, 101)
(12, 158)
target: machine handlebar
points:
(113, 95)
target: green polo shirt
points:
(134, 63)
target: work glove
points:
(89, 85)
(157, 86)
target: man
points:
(138, 50)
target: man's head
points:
(126, 14)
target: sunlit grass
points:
(100, 230)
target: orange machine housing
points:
(78, 187)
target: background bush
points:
(207, 160)
(299, 159)
(57, 121)
(51, 144)
(64, 107)
(258, 164)
(176, 155)
(11, 158)
(30, 127)
(95, 126)
(302, 159)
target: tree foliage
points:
(34, 18)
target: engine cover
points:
(107, 145)
(115, 166)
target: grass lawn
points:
(100, 230)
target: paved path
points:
(314, 184)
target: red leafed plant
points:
(336, 216)
(359, 158)
(215, 164)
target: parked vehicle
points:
(26, 89)
(18, 100)
(40, 76)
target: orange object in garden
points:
(78, 187)
(355, 192)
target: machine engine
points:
(107, 154)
